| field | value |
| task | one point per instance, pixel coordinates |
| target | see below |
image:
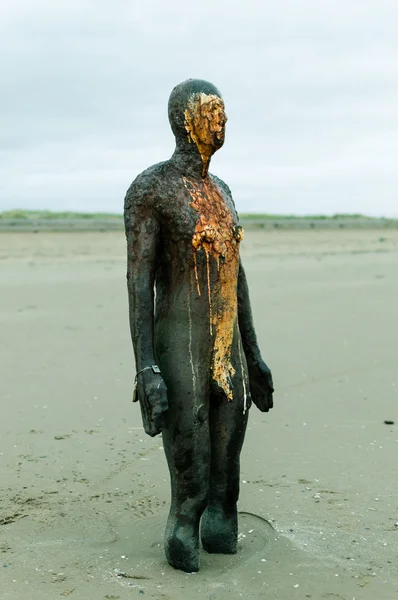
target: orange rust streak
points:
(217, 236)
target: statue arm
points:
(245, 318)
(142, 234)
(260, 377)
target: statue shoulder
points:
(221, 184)
(225, 189)
(145, 188)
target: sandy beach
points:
(85, 493)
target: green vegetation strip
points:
(47, 214)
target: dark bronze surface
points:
(183, 238)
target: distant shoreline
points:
(37, 221)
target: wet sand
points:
(85, 493)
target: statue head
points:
(197, 116)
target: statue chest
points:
(204, 220)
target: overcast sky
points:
(310, 87)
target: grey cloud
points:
(311, 92)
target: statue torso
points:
(199, 260)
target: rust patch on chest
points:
(218, 236)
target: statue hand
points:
(261, 384)
(152, 395)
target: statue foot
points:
(219, 530)
(182, 546)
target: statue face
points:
(205, 121)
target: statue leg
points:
(228, 421)
(187, 446)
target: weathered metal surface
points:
(183, 238)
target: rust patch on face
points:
(216, 234)
(205, 121)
